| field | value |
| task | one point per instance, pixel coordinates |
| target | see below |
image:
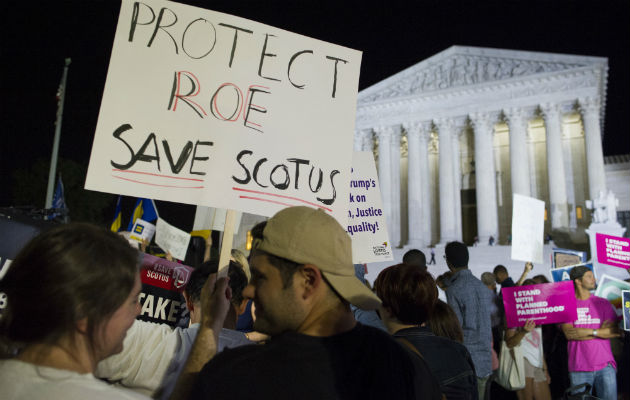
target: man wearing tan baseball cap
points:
(303, 282)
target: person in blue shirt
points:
(470, 299)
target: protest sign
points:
(211, 218)
(613, 250)
(366, 223)
(562, 274)
(142, 230)
(163, 282)
(625, 300)
(171, 239)
(206, 108)
(545, 303)
(566, 257)
(610, 288)
(528, 223)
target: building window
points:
(578, 212)
(545, 214)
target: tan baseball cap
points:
(310, 236)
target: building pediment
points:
(458, 67)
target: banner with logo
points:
(163, 282)
(545, 303)
(142, 230)
(366, 223)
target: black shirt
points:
(449, 361)
(363, 363)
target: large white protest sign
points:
(206, 108)
(211, 218)
(366, 220)
(171, 239)
(528, 224)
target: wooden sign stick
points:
(226, 243)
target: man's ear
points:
(242, 307)
(312, 279)
(82, 325)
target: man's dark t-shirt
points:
(363, 363)
(508, 282)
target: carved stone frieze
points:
(465, 70)
(566, 87)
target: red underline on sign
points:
(278, 195)
(267, 200)
(161, 176)
(155, 184)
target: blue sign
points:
(562, 274)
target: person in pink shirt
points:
(590, 357)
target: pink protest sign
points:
(613, 250)
(545, 303)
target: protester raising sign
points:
(545, 303)
(171, 239)
(205, 108)
(528, 223)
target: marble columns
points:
(418, 182)
(590, 108)
(446, 129)
(395, 233)
(389, 178)
(485, 176)
(555, 166)
(457, 176)
(518, 119)
(363, 140)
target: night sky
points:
(37, 36)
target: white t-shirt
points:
(154, 355)
(25, 381)
(532, 347)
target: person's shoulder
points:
(601, 302)
(27, 380)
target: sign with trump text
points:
(206, 108)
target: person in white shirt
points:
(529, 338)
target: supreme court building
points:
(457, 134)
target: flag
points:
(59, 201)
(117, 216)
(145, 209)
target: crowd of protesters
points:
(295, 320)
